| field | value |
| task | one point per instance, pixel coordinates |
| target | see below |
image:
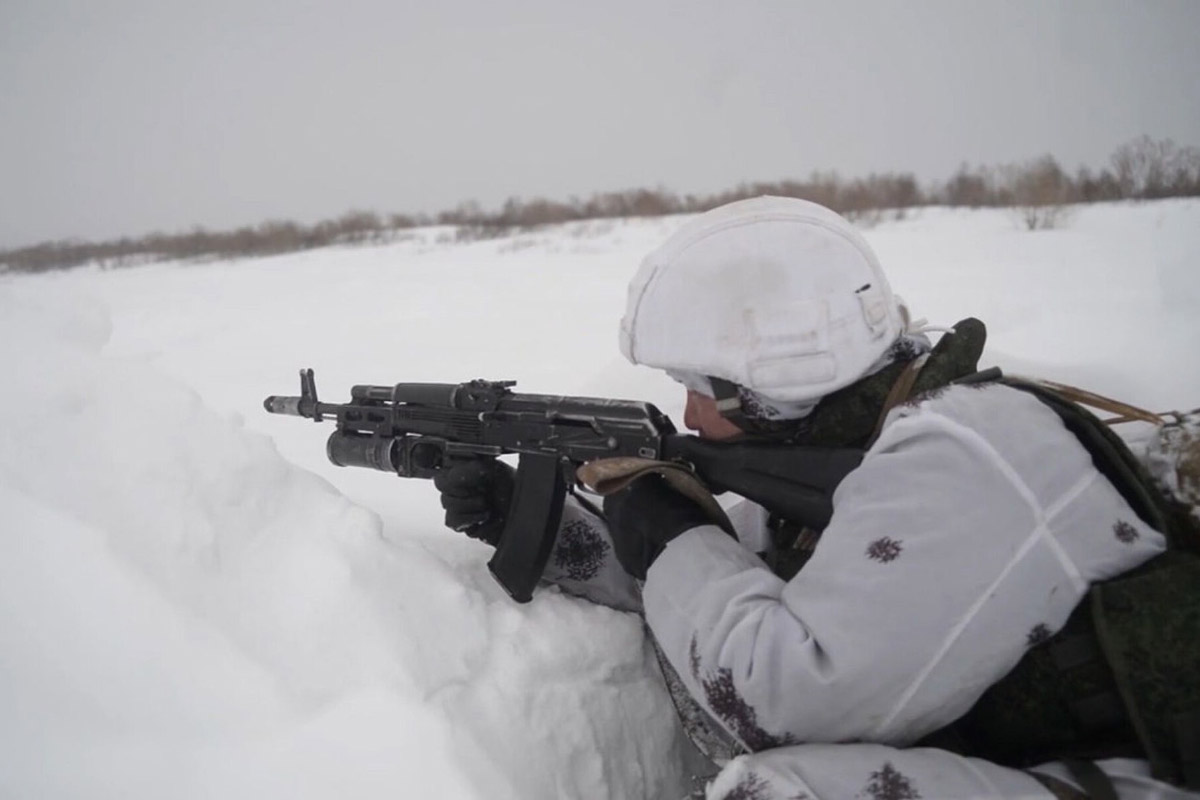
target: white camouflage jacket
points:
(972, 529)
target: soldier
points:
(933, 640)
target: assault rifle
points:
(416, 429)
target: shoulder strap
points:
(1124, 411)
(900, 391)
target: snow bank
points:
(190, 608)
(186, 614)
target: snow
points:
(195, 603)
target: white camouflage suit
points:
(972, 529)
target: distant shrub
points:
(970, 187)
(1040, 192)
(1096, 188)
(1146, 169)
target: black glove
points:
(644, 516)
(476, 495)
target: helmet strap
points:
(729, 402)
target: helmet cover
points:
(779, 295)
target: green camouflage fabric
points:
(847, 417)
(1148, 624)
(1120, 679)
(1061, 700)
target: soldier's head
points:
(760, 308)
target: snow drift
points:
(194, 603)
(188, 614)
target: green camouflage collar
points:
(847, 417)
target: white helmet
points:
(778, 295)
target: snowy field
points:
(195, 604)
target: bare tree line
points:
(1039, 190)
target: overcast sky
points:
(126, 116)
